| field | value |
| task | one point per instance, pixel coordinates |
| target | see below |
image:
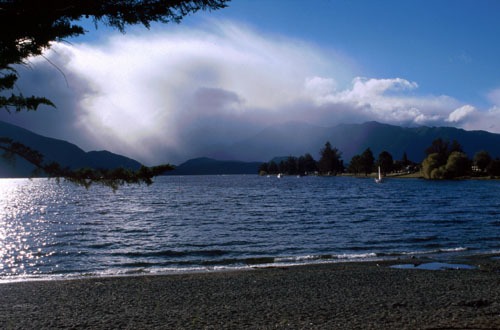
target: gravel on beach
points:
(364, 295)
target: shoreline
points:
(435, 255)
(344, 295)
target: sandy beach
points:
(368, 295)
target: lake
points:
(51, 230)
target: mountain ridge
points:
(352, 139)
(60, 151)
(244, 157)
(210, 166)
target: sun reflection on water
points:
(22, 238)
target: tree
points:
(84, 177)
(282, 167)
(330, 160)
(291, 166)
(458, 165)
(405, 161)
(493, 167)
(455, 146)
(273, 168)
(385, 162)
(367, 161)
(355, 166)
(438, 146)
(263, 169)
(482, 159)
(430, 164)
(28, 27)
(306, 165)
(445, 161)
(444, 149)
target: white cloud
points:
(171, 94)
(460, 113)
(387, 100)
(150, 88)
(319, 87)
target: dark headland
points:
(368, 295)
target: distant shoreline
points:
(416, 175)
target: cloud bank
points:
(172, 94)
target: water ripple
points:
(219, 221)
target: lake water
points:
(205, 223)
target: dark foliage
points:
(482, 159)
(458, 165)
(304, 165)
(307, 164)
(355, 166)
(493, 167)
(455, 147)
(86, 176)
(367, 161)
(405, 161)
(445, 161)
(330, 162)
(385, 162)
(439, 147)
(443, 149)
(264, 168)
(273, 168)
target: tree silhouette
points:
(405, 160)
(482, 159)
(385, 162)
(367, 161)
(493, 167)
(28, 27)
(330, 160)
(438, 146)
(355, 165)
(273, 168)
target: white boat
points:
(379, 179)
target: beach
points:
(367, 295)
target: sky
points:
(168, 93)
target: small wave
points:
(100, 246)
(346, 256)
(172, 253)
(356, 255)
(245, 261)
(433, 251)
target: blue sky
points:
(448, 47)
(171, 92)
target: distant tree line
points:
(331, 163)
(447, 160)
(444, 160)
(365, 163)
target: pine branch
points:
(84, 176)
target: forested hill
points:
(60, 151)
(204, 166)
(296, 138)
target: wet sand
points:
(367, 295)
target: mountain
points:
(351, 139)
(202, 166)
(60, 151)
